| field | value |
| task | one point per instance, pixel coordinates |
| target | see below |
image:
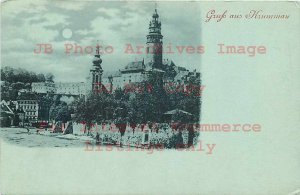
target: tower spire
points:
(97, 48)
(154, 41)
(96, 72)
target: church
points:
(139, 71)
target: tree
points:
(45, 102)
(17, 86)
(91, 110)
(60, 113)
(41, 77)
(16, 79)
(49, 77)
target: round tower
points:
(154, 43)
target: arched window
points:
(97, 79)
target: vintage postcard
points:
(150, 97)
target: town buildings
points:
(134, 72)
(167, 74)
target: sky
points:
(86, 23)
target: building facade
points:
(30, 107)
(43, 87)
(71, 88)
(60, 88)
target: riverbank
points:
(21, 137)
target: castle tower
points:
(95, 76)
(154, 43)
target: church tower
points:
(95, 76)
(154, 42)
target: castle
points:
(134, 72)
(139, 71)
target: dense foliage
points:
(15, 79)
(147, 105)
